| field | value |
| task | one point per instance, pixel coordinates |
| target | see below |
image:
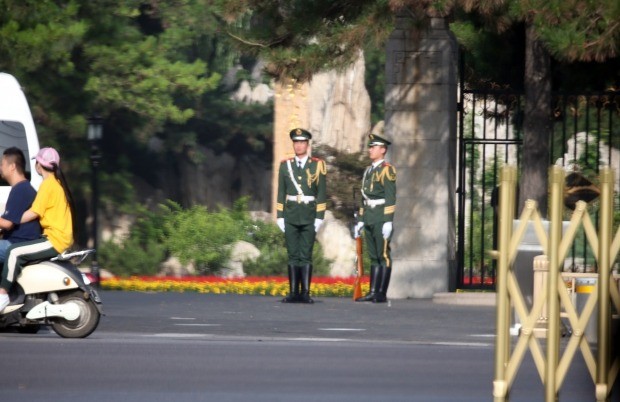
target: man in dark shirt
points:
(22, 195)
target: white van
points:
(16, 130)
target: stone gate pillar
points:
(420, 116)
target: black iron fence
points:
(586, 135)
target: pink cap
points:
(47, 157)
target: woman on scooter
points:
(53, 206)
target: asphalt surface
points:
(204, 347)
(262, 317)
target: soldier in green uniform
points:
(301, 208)
(376, 216)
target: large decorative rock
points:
(338, 246)
(173, 267)
(241, 251)
(338, 107)
(261, 93)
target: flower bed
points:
(267, 286)
(477, 280)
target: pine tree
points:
(301, 38)
(574, 30)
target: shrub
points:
(142, 251)
(273, 259)
(132, 257)
(202, 237)
(268, 238)
(195, 235)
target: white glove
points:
(357, 232)
(317, 225)
(386, 230)
(280, 222)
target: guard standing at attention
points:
(376, 215)
(301, 208)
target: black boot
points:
(386, 274)
(374, 279)
(306, 280)
(293, 280)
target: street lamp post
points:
(94, 135)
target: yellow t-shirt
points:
(54, 214)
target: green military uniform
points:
(378, 206)
(301, 200)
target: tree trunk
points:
(537, 123)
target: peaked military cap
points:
(377, 136)
(376, 139)
(299, 134)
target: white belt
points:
(300, 198)
(374, 203)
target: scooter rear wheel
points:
(85, 324)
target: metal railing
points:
(552, 362)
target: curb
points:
(465, 298)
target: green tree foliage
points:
(299, 39)
(39, 34)
(146, 65)
(575, 30)
(153, 70)
(77, 57)
(127, 55)
(492, 59)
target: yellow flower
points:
(265, 287)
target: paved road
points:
(259, 317)
(193, 347)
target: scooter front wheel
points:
(86, 322)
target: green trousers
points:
(299, 242)
(378, 247)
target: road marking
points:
(176, 335)
(182, 318)
(469, 344)
(267, 338)
(319, 339)
(212, 336)
(483, 335)
(199, 325)
(342, 329)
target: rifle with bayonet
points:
(359, 264)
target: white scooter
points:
(54, 292)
